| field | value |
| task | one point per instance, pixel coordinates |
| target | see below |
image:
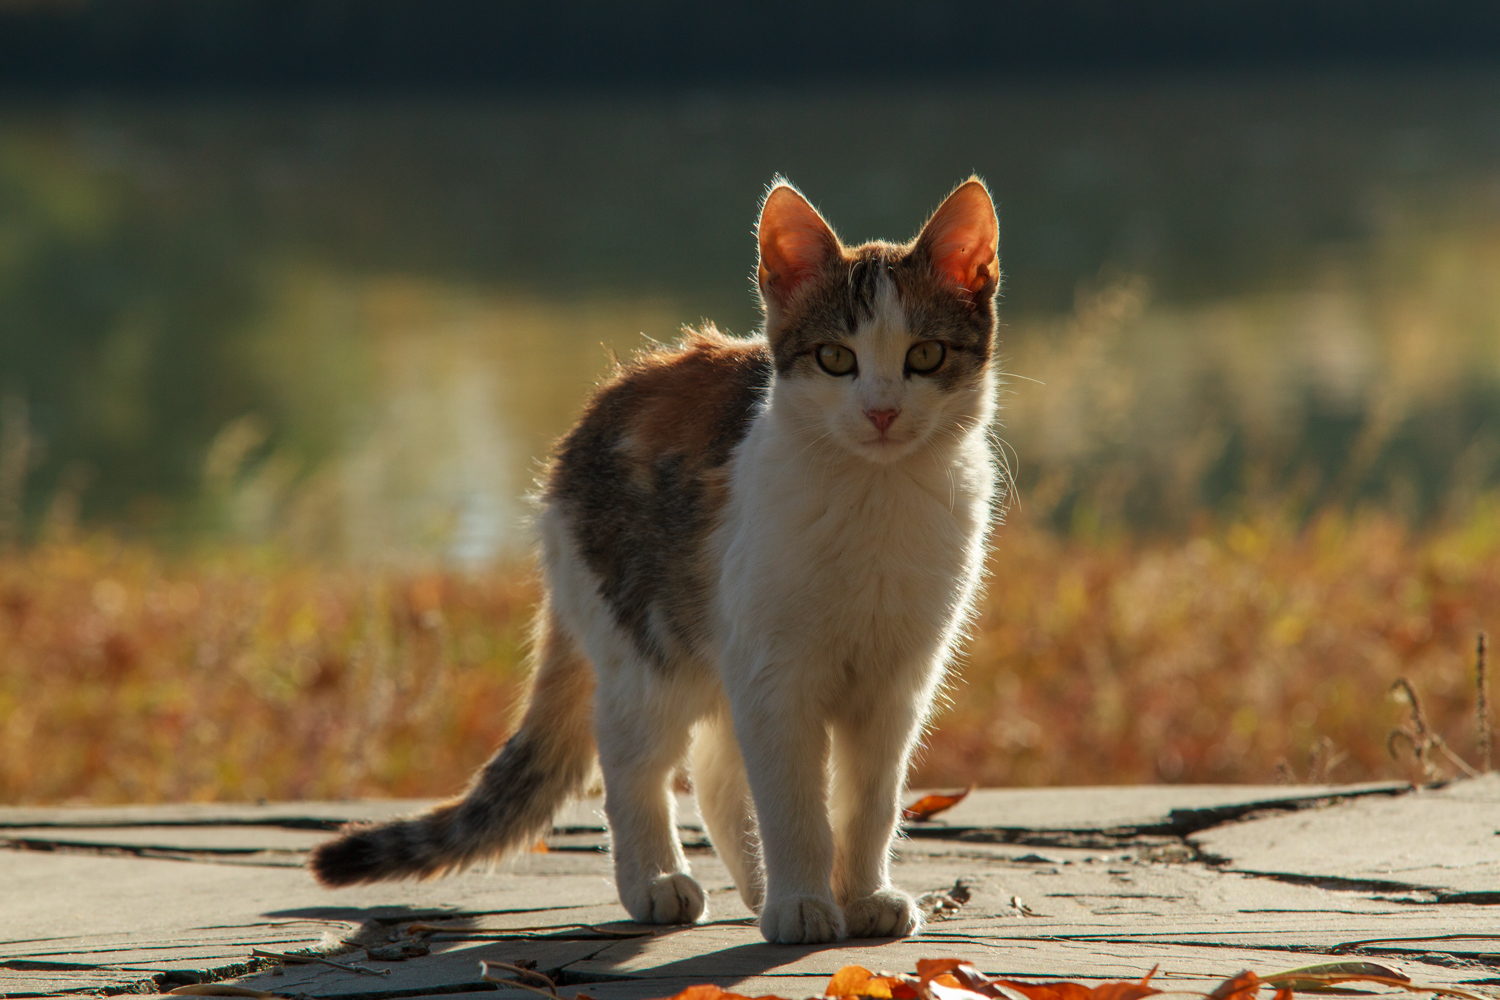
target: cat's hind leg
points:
(642, 722)
(723, 793)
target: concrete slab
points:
(1085, 884)
(1440, 843)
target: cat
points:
(760, 555)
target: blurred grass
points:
(1226, 656)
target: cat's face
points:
(880, 350)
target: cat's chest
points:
(849, 550)
(886, 543)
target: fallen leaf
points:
(1292, 978)
(1339, 949)
(857, 981)
(1241, 987)
(956, 979)
(940, 991)
(1402, 983)
(929, 806)
(714, 993)
(974, 982)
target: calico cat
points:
(759, 557)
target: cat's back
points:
(641, 480)
(671, 410)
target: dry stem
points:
(1482, 702)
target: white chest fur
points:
(843, 564)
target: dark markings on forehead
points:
(845, 294)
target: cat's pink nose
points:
(882, 419)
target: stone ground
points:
(1069, 883)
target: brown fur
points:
(642, 478)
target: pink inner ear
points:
(963, 237)
(795, 243)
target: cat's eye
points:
(835, 360)
(926, 356)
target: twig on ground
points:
(1411, 987)
(526, 972)
(484, 973)
(520, 932)
(314, 960)
(1347, 946)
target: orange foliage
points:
(234, 676)
(1214, 658)
(125, 675)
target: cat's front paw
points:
(801, 920)
(667, 899)
(887, 913)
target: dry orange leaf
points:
(929, 806)
(1241, 987)
(714, 993)
(1078, 991)
(956, 979)
(937, 989)
(857, 981)
(970, 982)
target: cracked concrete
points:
(1083, 884)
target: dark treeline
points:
(443, 44)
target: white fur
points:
(847, 566)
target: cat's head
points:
(881, 349)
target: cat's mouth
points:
(885, 446)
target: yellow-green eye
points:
(926, 356)
(835, 360)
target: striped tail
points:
(511, 800)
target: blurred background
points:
(295, 295)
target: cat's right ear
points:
(795, 245)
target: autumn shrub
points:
(1233, 655)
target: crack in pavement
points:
(1179, 825)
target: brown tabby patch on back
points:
(845, 294)
(642, 479)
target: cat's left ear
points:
(962, 239)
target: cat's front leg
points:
(785, 748)
(870, 754)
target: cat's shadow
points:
(722, 966)
(725, 965)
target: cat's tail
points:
(511, 800)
